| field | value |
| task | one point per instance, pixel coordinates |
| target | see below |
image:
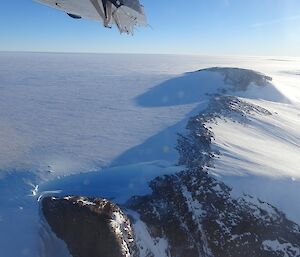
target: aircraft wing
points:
(125, 14)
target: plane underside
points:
(125, 14)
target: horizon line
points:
(138, 53)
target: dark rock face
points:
(90, 227)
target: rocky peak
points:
(240, 79)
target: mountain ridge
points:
(191, 213)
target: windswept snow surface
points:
(71, 113)
(105, 125)
(147, 245)
(282, 249)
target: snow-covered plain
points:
(115, 118)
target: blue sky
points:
(206, 27)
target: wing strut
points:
(107, 7)
(98, 8)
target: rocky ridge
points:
(188, 214)
(197, 214)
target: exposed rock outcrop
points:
(198, 217)
(90, 227)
